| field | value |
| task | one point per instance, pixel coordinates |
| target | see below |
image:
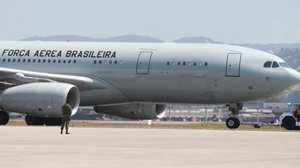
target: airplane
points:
(134, 80)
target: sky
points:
(229, 21)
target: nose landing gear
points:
(233, 122)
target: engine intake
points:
(134, 110)
(40, 99)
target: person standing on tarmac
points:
(67, 111)
(297, 114)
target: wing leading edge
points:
(17, 77)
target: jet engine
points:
(40, 99)
(133, 110)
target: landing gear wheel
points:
(4, 117)
(233, 123)
(52, 121)
(289, 123)
(31, 120)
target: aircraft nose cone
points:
(294, 77)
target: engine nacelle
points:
(141, 111)
(40, 99)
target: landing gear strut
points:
(4, 117)
(233, 122)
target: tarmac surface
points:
(39, 147)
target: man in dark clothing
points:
(297, 114)
(67, 111)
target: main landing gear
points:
(31, 120)
(233, 122)
(4, 117)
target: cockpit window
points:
(283, 64)
(268, 64)
(275, 64)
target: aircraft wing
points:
(17, 77)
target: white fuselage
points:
(156, 72)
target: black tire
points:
(233, 123)
(31, 120)
(52, 121)
(256, 126)
(289, 123)
(238, 123)
(4, 117)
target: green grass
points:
(156, 125)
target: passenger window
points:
(33, 60)
(28, 60)
(59, 61)
(69, 61)
(275, 64)
(74, 61)
(267, 64)
(178, 63)
(8, 60)
(49, 61)
(116, 62)
(54, 61)
(100, 61)
(168, 63)
(14, 60)
(183, 63)
(205, 64)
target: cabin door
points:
(233, 65)
(143, 62)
